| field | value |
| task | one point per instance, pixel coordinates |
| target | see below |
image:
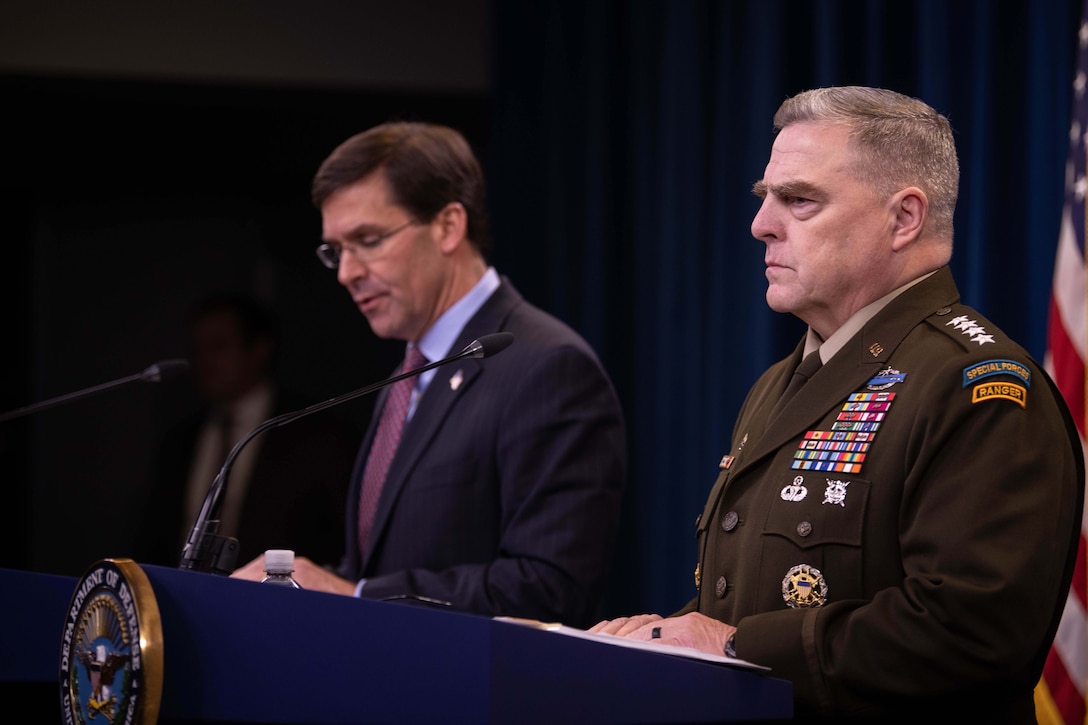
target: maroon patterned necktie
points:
(385, 443)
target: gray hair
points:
(899, 141)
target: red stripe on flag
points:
(1080, 575)
(1066, 697)
(1064, 692)
(1068, 369)
(1066, 364)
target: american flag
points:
(1060, 694)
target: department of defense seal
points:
(111, 648)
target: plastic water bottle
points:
(279, 564)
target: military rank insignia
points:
(974, 331)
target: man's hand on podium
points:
(693, 630)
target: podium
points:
(236, 651)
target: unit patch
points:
(1000, 391)
(986, 368)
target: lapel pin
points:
(455, 381)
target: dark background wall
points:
(152, 154)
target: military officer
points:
(894, 525)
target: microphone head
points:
(489, 345)
(164, 369)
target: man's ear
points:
(450, 226)
(910, 207)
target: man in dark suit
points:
(287, 486)
(502, 494)
(898, 537)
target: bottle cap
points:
(280, 561)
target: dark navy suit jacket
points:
(504, 495)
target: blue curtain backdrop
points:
(627, 138)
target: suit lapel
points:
(450, 383)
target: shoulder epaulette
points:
(970, 329)
(988, 375)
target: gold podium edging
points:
(111, 658)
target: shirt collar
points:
(833, 344)
(438, 340)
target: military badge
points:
(804, 586)
(836, 492)
(795, 491)
(885, 379)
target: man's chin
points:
(777, 301)
(384, 329)
(379, 327)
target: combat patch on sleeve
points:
(1000, 391)
(988, 368)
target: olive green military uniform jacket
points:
(901, 537)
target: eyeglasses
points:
(329, 253)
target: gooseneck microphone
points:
(155, 373)
(205, 549)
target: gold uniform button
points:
(720, 586)
(804, 528)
